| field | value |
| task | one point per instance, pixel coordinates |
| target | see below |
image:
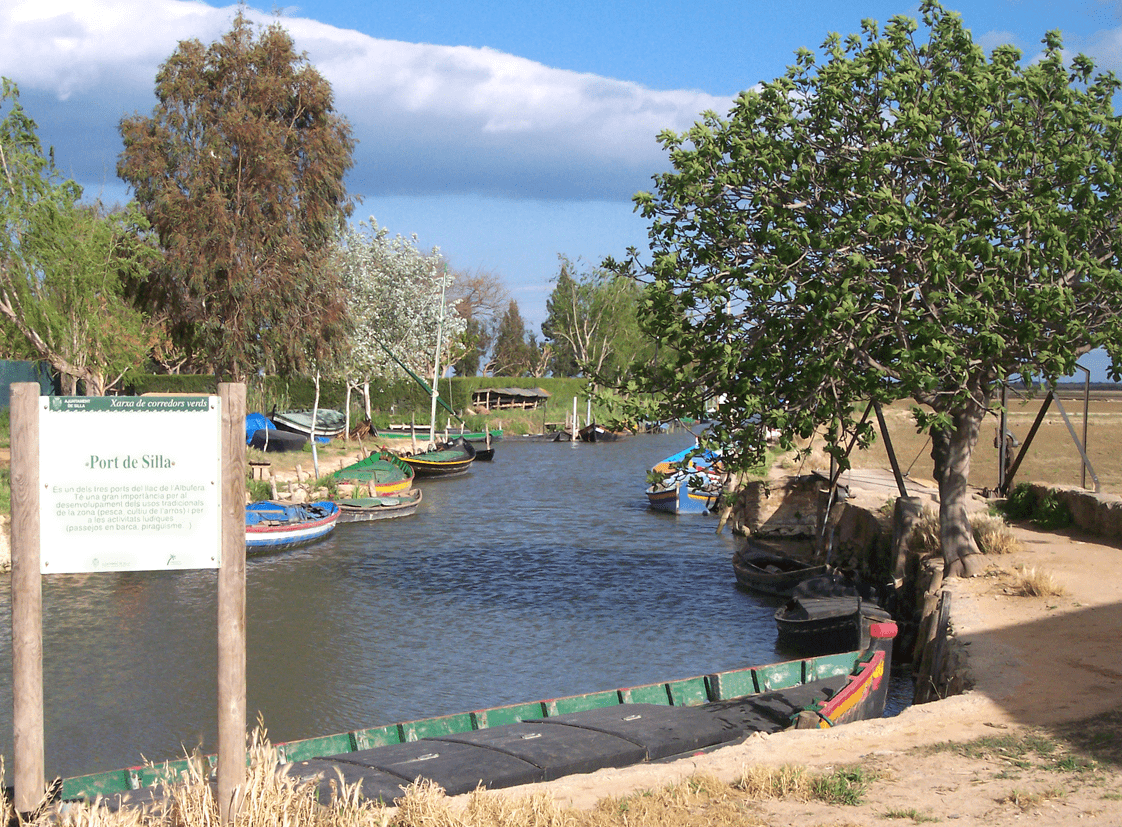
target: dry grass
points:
(1033, 582)
(273, 799)
(990, 533)
(1051, 458)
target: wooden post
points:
(231, 605)
(27, 600)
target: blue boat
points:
(688, 486)
(270, 526)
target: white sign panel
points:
(129, 483)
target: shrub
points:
(1051, 512)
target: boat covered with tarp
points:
(542, 740)
(384, 474)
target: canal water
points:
(538, 575)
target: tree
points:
(394, 298)
(512, 354)
(907, 220)
(64, 267)
(591, 324)
(240, 171)
(479, 299)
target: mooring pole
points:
(27, 601)
(231, 605)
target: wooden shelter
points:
(498, 399)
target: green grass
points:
(845, 785)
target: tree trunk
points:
(951, 450)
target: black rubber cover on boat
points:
(458, 768)
(660, 730)
(557, 750)
(772, 711)
(325, 772)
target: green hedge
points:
(399, 398)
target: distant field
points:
(1052, 457)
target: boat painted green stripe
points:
(379, 736)
(779, 676)
(95, 784)
(734, 684)
(652, 693)
(435, 727)
(688, 692)
(580, 703)
(513, 714)
(316, 747)
(828, 666)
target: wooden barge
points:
(543, 740)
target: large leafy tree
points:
(240, 171)
(64, 267)
(591, 323)
(907, 219)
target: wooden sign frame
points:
(27, 601)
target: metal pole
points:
(27, 601)
(1002, 449)
(231, 605)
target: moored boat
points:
(446, 460)
(541, 740)
(598, 433)
(686, 484)
(769, 572)
(384, 473)
(329, 423)
(823, 625)
(364, 509)
(270, 526)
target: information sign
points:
(129, 483)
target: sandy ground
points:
(1035, 662)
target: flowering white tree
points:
(394, 296)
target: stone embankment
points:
(1098, 514)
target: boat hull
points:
(521, 743)
(676, 497)
(449, 461)
(367, 509)
(385, 474)
(774, 574)
(329, 423)
(822, 625)
(272, 526)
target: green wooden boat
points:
(385, 473)
(364, 509)
(448, 460)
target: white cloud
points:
(425, 115)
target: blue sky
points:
(503, 133)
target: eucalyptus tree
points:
(239, 170)
(64, 267)
(909, 219)
(396, 302)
